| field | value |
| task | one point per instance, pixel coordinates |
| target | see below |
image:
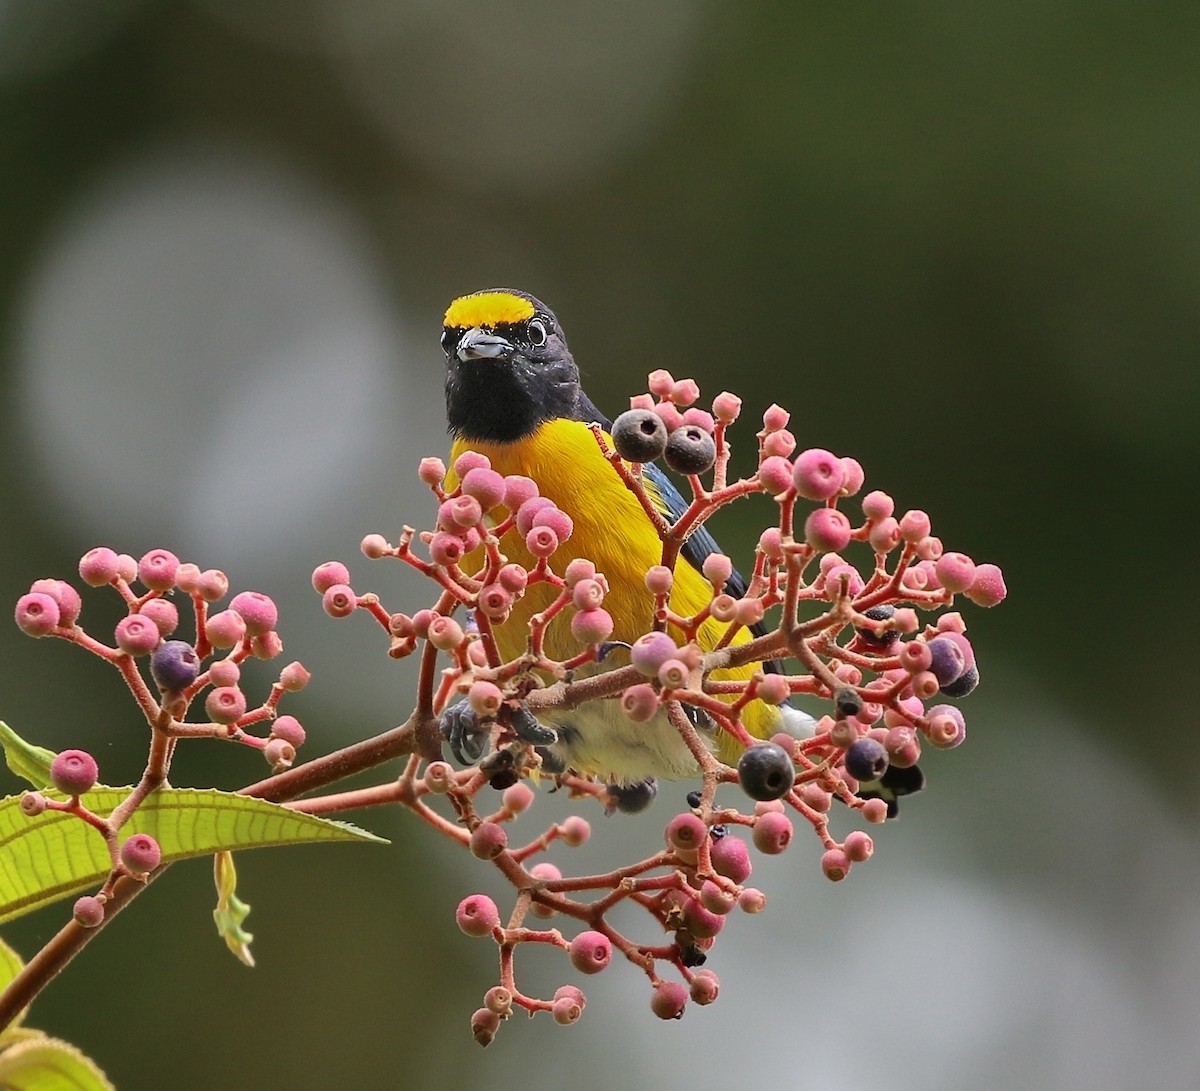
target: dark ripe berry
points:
(766, 771)
(174, 665)
(718, 831)
(690, 450)
(878, 640)
(639, 435)
(506, 778)
(847, 702)
(963, 684)
(867, 760)
(693, 799)
(632, 798)
(947, 660)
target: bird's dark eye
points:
(537, 332)
(449, 340)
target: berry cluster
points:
(166, 676)
(854, 631)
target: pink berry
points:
(477, 915)
(878, 505)
(37, 614)
(567, 1009)
(698, 921)
(814, 796)
(686, 831)
(587, 594)
(704, 987)
(818, 474)
(640, 703)
(660, 382)
(723, 607)
(914, 525)
(488, 840)
(557, 520)
(65, 597)
(498, 999)
(517, 490)
(541, 541)
(699, 418)
(884, 536)
(668, 1000)
(74, 772)
(651, 651)
(187, 578)
(164, 614)
(432, 471)
(854, 476)
(88, 911)
(518, 797)
(485, 699)
(835, 864)
(470, 460)
(374, 546)
(751, 900)
(484, 1024)
(140, 853)
(257, 610)
(685, 392)
(328, 575)
(858, 846)
(775, 417)
(731, 858)
(294, 677)
(495, 602)
(582, 569)
(780, 444)
(670, 416)
(99, 566)
(673, 674)
(212, 585)
(32, 804)
(590, 952)
(279, 754)
(772, 833)
(157, 569)
(458, 513)
(929, 548)
(339, 600)
(775, 474)
(659, 579)
(717, 568)
(226, 629)
(827, 529)
(773, 689)
(915, 656)
(947, 727)
(137, 635)
(987, 587)
(485, 485)
(126, 568)
(444, 633)
(726, 407)
(439, 777)
(446, 548)
(529, 509)
(289, 729)
(513, 578)
(574, 831)
(875, 811)
(592, 626)
(955, 572)
(225, 704)
(771, 544)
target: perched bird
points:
(513, 393)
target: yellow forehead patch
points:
(487, 309)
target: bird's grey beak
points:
(475, 344)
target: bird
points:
(514, 393)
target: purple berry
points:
(878, 640)
(866, 759)
(74, 772)
(947, 661)
(639, 435)
(690, 450)
(765, 771)
(963, 684)
(174, 665)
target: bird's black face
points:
(508, 368)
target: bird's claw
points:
(462, 730)
(526, 727)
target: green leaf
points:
(31, 763)
(46, 1064)
(11, 964)
(55, 855)
(231, 910)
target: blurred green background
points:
(960, 242)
